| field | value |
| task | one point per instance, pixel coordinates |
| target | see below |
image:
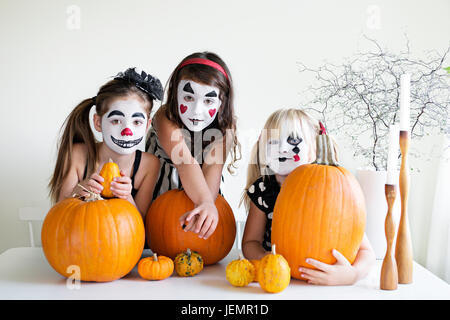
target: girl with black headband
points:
(192, 134)
(122, 115)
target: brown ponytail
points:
(77, 130)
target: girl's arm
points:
(75, 174)
(213, 163)
(191, 175)
(342, 272)
(252, 239)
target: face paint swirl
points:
(124, 125)
(285, 154)
(198, 104)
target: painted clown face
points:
(124, 125)
(198, 104)
(286, 153)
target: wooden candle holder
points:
(389, 275)
(403, 248)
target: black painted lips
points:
(126, 144)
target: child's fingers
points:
(311, 279)
(341, 259)
(211, 229)
(83, 193)
(200, 220)
(205, 227)
(319, 265)
(120, 193)
(120, 190)
(122, 179)
(190, 225)
(181, 220)
(311, 274)
(185, 218)
(97, 177)
(120, 186)
(94, 186)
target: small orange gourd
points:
(155, 268)
(110, 170)
(274, 273)
(240, 272)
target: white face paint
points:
(198, 104)
(124, 125)
(285, 154)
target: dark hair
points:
(226, 119)
(77, 128)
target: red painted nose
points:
(126, 132)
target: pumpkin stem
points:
(273, 249)
(92, 195)
(326, 150)
(155, 258)
(188, 251)
(110, 160)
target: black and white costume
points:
(263, 193)
(168, 177)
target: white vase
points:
(372, 184)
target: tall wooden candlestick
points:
(403, 248)
(389, 275)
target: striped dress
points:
(168, 177)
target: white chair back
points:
(30, 214)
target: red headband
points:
(205, 62)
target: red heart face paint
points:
(198, 104)
(296, 158)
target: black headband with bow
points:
(143, 81)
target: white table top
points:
(26, 274)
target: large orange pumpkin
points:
(320, 207)
(103, 238)
(166, 236)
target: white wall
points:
(47, 67)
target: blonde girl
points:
(287, 141)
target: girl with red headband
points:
(192, 134)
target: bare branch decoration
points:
(360, 97)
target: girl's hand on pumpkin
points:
(202, 220)
(121, 186)
(340, 273)
(94, 184)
